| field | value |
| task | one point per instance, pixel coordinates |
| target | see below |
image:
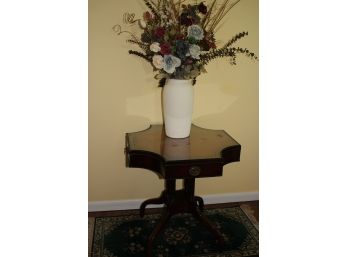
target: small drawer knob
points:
(194, 171)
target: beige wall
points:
(124, 97)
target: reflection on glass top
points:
(201, 144)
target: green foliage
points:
(216, 53)
(236, 38)
(193, 81)
(246, 52)
(162, 82)
(227, 51)
(143, 46)
(152, 8)
(145, 57)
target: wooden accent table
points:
(202, 154)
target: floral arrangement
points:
(178, 38)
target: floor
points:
(250, 208)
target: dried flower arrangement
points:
(178, 38)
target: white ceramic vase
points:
(177, 101)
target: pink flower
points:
(147, 16)
(166, 48)
(179, 37)
(212, 45)
(159, 32)
(202, 8)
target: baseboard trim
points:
(135, 203)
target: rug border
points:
(156, 211)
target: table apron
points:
(192, 170)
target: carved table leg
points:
(189, 187)
(159, 227)
(158, 200)
(165, 196)
(205, 221)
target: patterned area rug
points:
(125, 236)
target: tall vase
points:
(177, 101)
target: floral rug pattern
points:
(126, 236)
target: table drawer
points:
(193, 170)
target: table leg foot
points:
(159, 227)
(158, 200)
(200, 202)
(205, 221)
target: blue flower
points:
(170, 63)
(195, 32)
(182, 48)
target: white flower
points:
(155, 47)
(195, 32)
(142, 24)
(157, 61)
(195, 51)
(170, 63)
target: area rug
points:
(126, 236)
